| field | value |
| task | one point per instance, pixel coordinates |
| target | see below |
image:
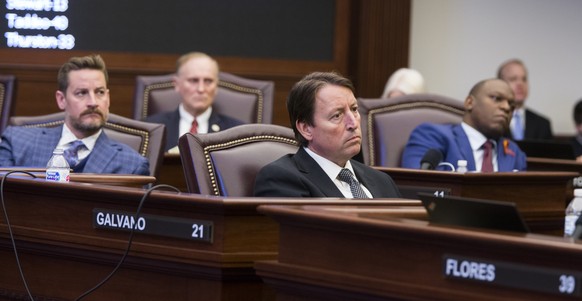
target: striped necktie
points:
(194, 128)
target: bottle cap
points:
(578, 192)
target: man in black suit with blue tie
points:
(525, 124)
(196, 81)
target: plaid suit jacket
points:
(33, 147)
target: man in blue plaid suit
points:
(84, 97)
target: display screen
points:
(282, 29)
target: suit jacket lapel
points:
(315, 174)
(504, 162)
(366, 180)
(103, 152)
(173, 128)
(464, 147)
(214, 122)
(46, 144)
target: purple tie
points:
(71, 153)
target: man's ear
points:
(469, 102)
(175, 80)
(61, 102)
(305, 130)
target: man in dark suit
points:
(196, 81)
(488, 109)
(324, 116)
(84, 96)
(525, 124)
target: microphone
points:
(431, 159)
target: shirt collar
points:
(331, 169)
(476, 138)
(67, 137)
(520, 112)
(202, 118)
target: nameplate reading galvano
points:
(199, 230)
(522, 276)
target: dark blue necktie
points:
(71, 153)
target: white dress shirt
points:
(476, 140)
(332, 170)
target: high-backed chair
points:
(226, 163)
(7, 97)
(387, 123)
(248, 100)
(148, 139)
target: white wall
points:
(456, 43)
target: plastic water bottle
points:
(57, 168)
(573, 212)
(462, 166)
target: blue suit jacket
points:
(453, 143)
(171, 119)
(33, 147)
(299, 175)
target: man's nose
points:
(352, 120)
(92, 100)
(201, 86)
(505, 105)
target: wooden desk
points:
(326, 254)
(547, 164)
(64, 254)
(92, 178)
(540, 196)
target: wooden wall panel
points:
(381, 38)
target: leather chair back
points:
(7, 99)
(388, 122)
(226, 163)
(148, 139)
(247, 100)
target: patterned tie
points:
(194, 128)
(487, 157)
(346, 175)
(517, 132)
(71, 153)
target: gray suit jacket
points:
(33, 147)
(299, 175)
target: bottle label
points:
(57, 175)
(570, 225)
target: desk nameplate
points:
(199, 230)
(522, 276)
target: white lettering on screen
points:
(22, 16)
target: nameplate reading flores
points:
(199, 230)
(522, 276)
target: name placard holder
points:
(514, 275)
(192, 229)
